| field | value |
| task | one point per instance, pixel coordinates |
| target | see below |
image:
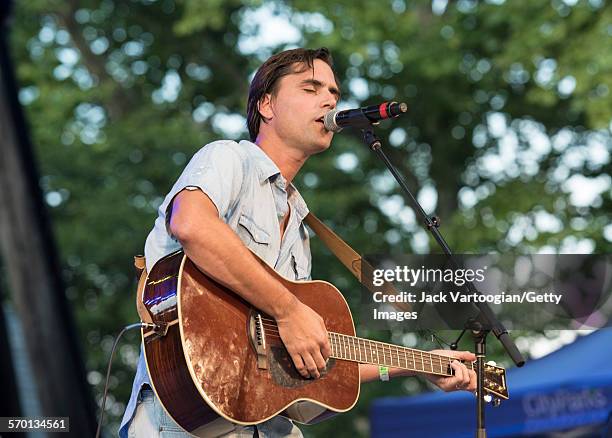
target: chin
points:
(321, 145)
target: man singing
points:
(235, 199)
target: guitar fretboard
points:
(362, 350)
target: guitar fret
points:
(356, 349)
(384, 355)
(390, 362)
(363, 353)
(333, 344)
(348, 347)
(360, 353)
(385, 348)
(362, 350)
(363, 358)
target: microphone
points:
(336, 120)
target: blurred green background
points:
(508, 138)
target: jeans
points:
(151, 421)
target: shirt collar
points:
(266, 169)
(265, 166)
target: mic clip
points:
(435, 222)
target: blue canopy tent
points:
(568, 389)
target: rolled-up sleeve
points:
(218, 170)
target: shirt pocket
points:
(251, 234)
(300, 266)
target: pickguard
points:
(283, 371)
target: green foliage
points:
(509, 101)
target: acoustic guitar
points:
(215, 361)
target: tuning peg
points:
(487, 398)
(496, 402)
(492, 363)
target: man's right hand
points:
(305, 337)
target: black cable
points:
(110, 363)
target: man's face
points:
(296, 111)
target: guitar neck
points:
(362, 350)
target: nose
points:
(329, 100)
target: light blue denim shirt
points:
(251, 195)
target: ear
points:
(265, 107)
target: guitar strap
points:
(141, 273)
(360, 268)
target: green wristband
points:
(383, 372)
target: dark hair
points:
(266, 79)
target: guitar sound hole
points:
(283, 371)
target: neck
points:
(289, 160)
(361, 350)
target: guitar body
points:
(214, 366)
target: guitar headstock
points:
(495, 381)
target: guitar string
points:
(336, 343)
(432, 361)
(378, 345)
(345, 343)
(405, 362)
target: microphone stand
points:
(485, 320)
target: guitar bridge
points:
(257, 336)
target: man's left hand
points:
(463, 380)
